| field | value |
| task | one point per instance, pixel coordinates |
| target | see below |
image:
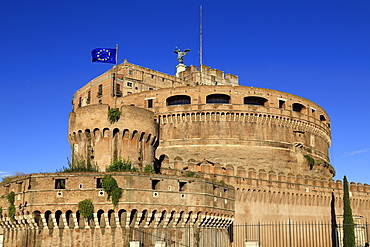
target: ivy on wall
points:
(11, 209)
(310, 160)
(86, 208)
(111, 187)
(113, 115)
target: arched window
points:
(218, 99)
(252, 100)
(299, 108)
(178, 100)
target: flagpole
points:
(115, 72)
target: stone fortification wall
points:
(271, 197)
(133, 136)
(48, 212)
(240, 126)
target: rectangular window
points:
(88, 97)
(118, 90)
(150, 88)
(182, 186)
(60, 184)
(129, 84)
(282, 104)
(130, 72)
(100, 91)
(99, 183)
(155, 184)
(150, 103)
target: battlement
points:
(207, 76)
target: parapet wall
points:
(47, 210)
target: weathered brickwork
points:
(224, 154)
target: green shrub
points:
(121, 166)
(189, 174)
(86, 208)
(113, 115)
(111, 187)
(148, 169)
(79, 164)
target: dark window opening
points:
(130, 72)
(99, 183)
(282, 104)
(218, 99)
(322, 118)
(88, 97)
(150, 88)
(182, 186)
(129, 84)
(118, 90)
(100, 90)
(60, 183)
(298, 107)
(313, 112)
(155, 184)
(150, 103)
(255, 101)
(178, 100)
(79, 102)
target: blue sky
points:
(317, 49)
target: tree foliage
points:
(9, 178)
(348, 224)
(110, 186)
(86, 208)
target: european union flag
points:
(104, 55)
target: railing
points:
(286, 234)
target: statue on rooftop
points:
(181, 54)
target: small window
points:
(60, 183)
(313, 112)
(178, 100)
(100, 90)
(129, 84)
(79, 102)
(182, 186)
(118, 90)
(150, 88)
(99, 183)
(282, 104)
(88, 97)
(155, 184)
(150, 103)
(218, 99)
(255, 101)
(130, 72)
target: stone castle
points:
(223, 154)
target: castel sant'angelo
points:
(223, 154)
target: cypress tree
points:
(348, 225)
